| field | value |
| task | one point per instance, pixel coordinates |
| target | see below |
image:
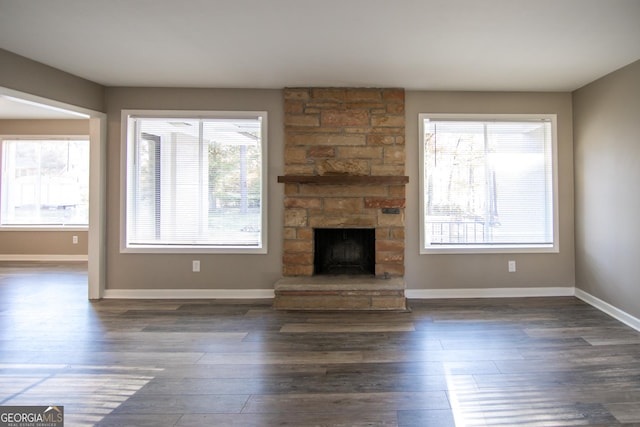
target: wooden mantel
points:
(342, 179)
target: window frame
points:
(42, 137)
(425, 248)
(126, 151)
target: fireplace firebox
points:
(344, 251)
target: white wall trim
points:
(609, 309)
(44, 258)
(188, 293)
(491, 292)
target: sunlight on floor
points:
(474, 406)
(88, 393)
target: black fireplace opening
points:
(344, 251)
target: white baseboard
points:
(603, 306)
(188, 293)
(44, 258)
(490, 292)
(612, 311)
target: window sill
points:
(176, 250)
(39, 228)
(503, 249)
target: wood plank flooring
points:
(480, 362)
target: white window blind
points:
(488, 183)
(45, 182)
(195, 182)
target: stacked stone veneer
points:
(344, 132)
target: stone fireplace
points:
(344, 171)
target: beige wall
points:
(44, 127)
(159, 271)
(435, 271)
(140, 271)
(42, 245)
(24, 75)
(607, 163)
(25, 243)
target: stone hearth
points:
(344, 168)
(340, 293)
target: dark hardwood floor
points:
(495, 362)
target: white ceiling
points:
(498, 45)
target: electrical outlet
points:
(195, 265)
(512, 266)
(74, 239)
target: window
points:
(488, 183)
(195, 182)
(45, 182)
